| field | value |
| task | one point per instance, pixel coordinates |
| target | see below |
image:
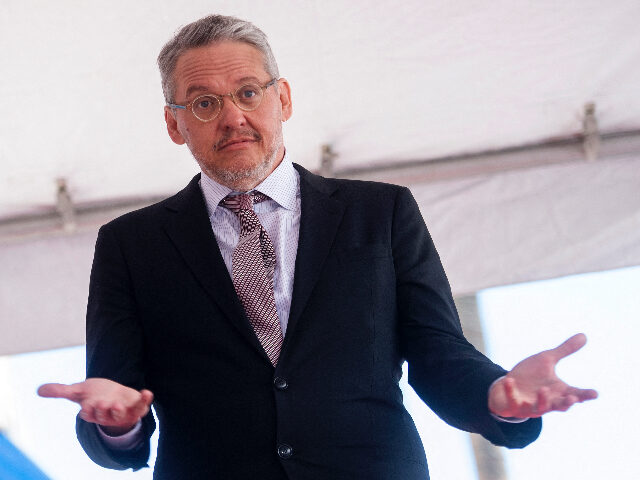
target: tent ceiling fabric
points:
(380, 81)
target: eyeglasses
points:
(207, 107)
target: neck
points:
(243, 181)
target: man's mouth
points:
(236, 142)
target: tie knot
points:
(243, 201)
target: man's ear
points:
(172, 126)
(285, 99)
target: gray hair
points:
(206, 31)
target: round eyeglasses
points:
(207, 107)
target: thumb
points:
(59, 390)
(569, 346)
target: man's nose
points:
(230, 115)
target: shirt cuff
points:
(127, 441)
(498, 417)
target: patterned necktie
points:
(253, 265)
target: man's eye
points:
(205, 103)
(248, 92)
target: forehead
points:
(218, 66)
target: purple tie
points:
(253, 265)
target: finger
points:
(147, 397)
(565, 403)
(117, 412)
(101, 416)
(510, 392)
(84, 415)
(140, 409)
(569, 346)
(584, 394)
(59, 390)
(527, 410)
(101, 412)
(88, 414)
(543, 404)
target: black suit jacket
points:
(369, 292)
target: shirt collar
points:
(282, 186)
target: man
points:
(270, 310)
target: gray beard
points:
(243, 180)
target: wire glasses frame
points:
(206, 107)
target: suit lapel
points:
(189, 229)
(319, 221)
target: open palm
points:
(532, 387)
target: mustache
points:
(233, 134)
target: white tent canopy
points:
(436, 95)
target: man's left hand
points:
(532, 388)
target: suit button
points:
(285, 451)
(280, 383)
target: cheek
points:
(270, 122)
(270, 126)
(195, 138)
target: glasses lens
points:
(205, 107)
(248, 97)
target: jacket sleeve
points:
(114, 346)
(446, 371)
(101, 454)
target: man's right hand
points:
(113, 406)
